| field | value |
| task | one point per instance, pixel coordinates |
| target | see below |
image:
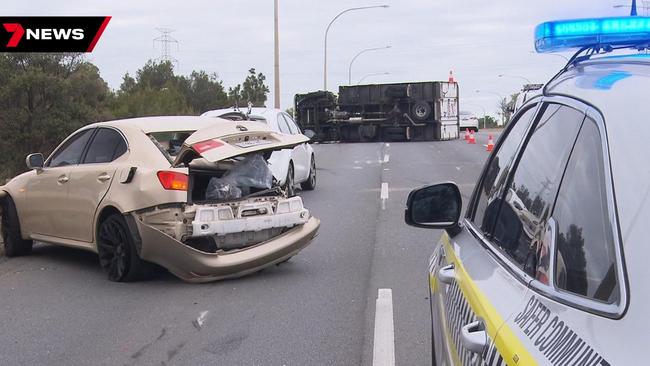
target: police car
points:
(550, 263)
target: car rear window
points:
(585, 258)
(170, 142)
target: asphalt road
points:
(318, 309)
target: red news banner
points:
(51, 34)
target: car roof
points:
(168, 124)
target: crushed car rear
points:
(236, 219)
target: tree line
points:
(44, 97)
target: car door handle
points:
(103, 177)
(447, 275)
(63, 179)
(473, 337)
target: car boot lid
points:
(228, 139)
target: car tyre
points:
(118, 256)
(289, 183)
(14, 243)
(310, 183)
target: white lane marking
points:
(198, 323)
(357, 167)
(386, 158)
(458, 168)
(387, 144)
(383, 353)
(383, 195)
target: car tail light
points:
(173, 181)
(203, 146)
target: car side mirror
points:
(310, 134)
(35, 161)
(434, 207)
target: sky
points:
(477, 39)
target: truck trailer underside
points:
(423, 111)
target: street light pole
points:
(633, 8)
(327, 31)
(516, 76)
(373, 74)
(276, 68)
(501, 98)
(359, 54)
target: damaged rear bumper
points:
(193, 265)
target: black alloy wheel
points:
(117, 254)
(14, 244)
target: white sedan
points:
(290, 166)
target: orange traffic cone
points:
(466, 134)
(490, 145)
(472, 139)
(451, 76)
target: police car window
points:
(70, 153)
(106, 146)
(585, 262)
(530, 194)
(497, 172)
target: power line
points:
(166, 41)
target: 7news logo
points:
(51, 34)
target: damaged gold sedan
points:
(192, 194)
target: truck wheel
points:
(117, 254)
(310, 183)
(421, 111)
(367, 133)
(394, 134)
(430, 132)
(11, 235)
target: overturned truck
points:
(422, 111)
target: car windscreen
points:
(169, 142)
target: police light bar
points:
(578, 33)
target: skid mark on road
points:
(227, 343)
(142, 349)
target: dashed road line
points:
(386, 158)
(383, 196)
(383, 353)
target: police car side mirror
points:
(434, 207)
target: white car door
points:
(300, 155)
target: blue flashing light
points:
(577, 33)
